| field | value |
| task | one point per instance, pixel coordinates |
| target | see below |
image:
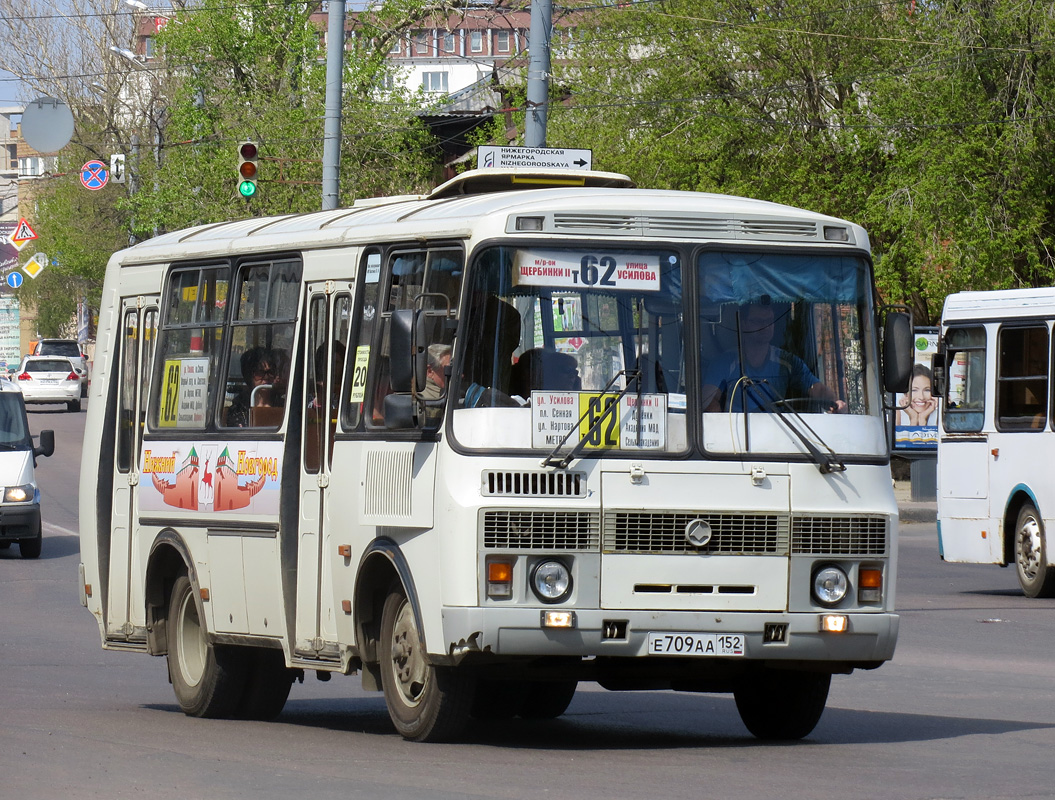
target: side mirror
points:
(937, 368)
(399, 411)
(897, 351)
(47, 444)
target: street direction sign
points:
(533, 157)
(117, 168)
(14, 279)
(94, 175)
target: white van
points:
(20, 503)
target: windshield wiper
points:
(826, 462)
(632, 376)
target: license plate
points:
(696, 644)
(49, 382)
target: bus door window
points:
(189, 343)
(261, 343)
(137, 351)
(1022, 378)
(964, 407)
(361, 358)
(327, 344)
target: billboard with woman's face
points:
(916, 412)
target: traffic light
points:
(247, 169)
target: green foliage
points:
(923, 122)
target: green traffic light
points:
(247, 188)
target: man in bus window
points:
(260, 371)
(761, 375)
(438, 357)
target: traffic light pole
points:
(331, 140)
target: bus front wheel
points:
(426, 703)
(208, 680)
(1031, 558)
(777, 704)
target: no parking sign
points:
(94, 175)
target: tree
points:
(921, 122)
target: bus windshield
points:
(787, 335)
(554, 335)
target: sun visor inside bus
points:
(737, 277)
(485, 181)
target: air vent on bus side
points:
(517, 483)
(683, 226)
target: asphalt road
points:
(965, 710)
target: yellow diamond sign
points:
(34, 266)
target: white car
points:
(49, 379)
(71, 350)
(20, 498)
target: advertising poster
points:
(916, 412)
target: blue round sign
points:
(14, 279)
(94, 175)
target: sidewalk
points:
(913, 510)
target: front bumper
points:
(868, 639)
(21, 521)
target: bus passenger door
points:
(139, 317)
(326, 343)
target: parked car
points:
(71, 350)
(49, 379)
(20, 501)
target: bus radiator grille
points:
(843, 536)
(541, 530)
(664, 532)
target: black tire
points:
(1031, 556)
(267, 684)
(547, 699)
(30, 548)
(209, 680)
(776, 705)
(73, 405)
(426, 703)
(5, 545)
(497, 700)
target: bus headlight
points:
(551, 581)
(830, 585)
(18, 494)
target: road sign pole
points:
(538, 74)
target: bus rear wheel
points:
(1031, 558)
(209, 680)
(776, 705)
(426, 703)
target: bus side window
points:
(964, 406)
(1022, 378)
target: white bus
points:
(458, 443)
(996, 500)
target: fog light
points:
(551, 581)
(499, 579)
(830, 585)
(834, 623)
(558, 619)
(869, 584)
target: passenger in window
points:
(539, 369)
(438, 358)
(919, 406)
(494, 335)
(260, 371)
(761, 375)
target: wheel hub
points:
(408, 663)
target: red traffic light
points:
(247, 150)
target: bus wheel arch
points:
(169, 559)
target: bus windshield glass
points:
(784, 339)
(558, 336)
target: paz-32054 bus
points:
(484, 444)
